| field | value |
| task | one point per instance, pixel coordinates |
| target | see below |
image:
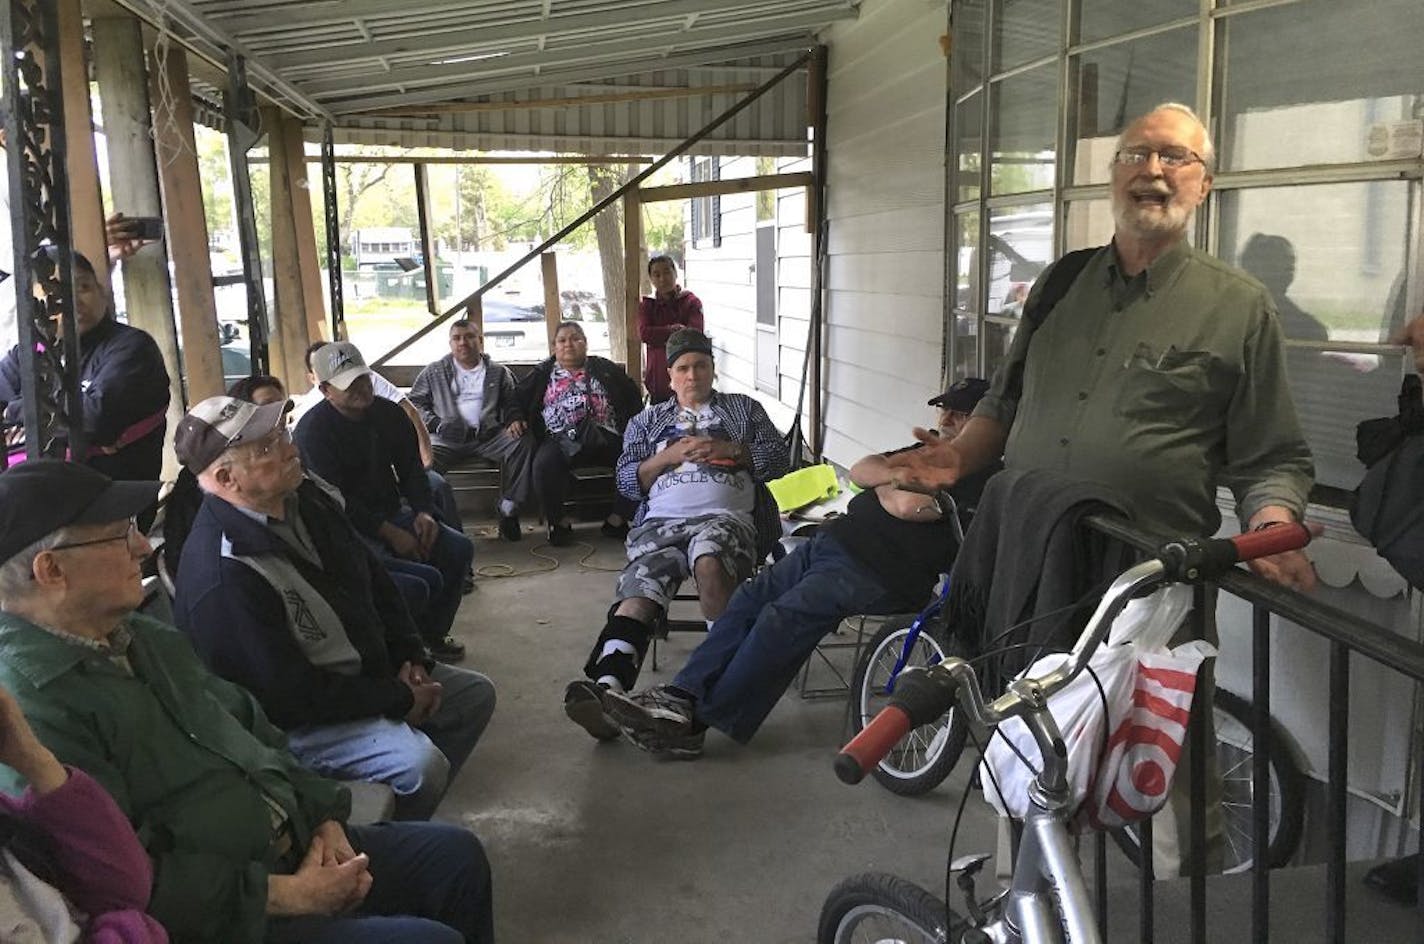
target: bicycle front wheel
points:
(875, 908)
(925, 756)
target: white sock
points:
(709, 624)
(507, 507)
(611, 683)
(618, 645)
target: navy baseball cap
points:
(41, 496)
(962, 395)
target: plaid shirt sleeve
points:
(770, 456)
(637, 447)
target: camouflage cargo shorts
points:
(661, 553)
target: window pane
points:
(1099, 19)
(1118, 83)
(1321, 82)
(1090, 223)
(1333, 257)
(1024, 30)
(997, 338)
(1023, 124)
(967, 55)
(967, 296)
(1021, 246)
(966, 346)
(968, 118)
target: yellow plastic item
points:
(804, 487)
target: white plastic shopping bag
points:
(1148, 692)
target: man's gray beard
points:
(1130, 219)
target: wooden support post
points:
(86, 205)
(553, 309)
(289, 316)
(304, 224)
(133, 175)
(427, 239)
(475, 314)
(183, 197)
(632, 274)
(816, 93)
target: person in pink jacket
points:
(670, 309)
(71, 868)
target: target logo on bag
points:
(1136, 771)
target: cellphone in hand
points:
(144, 227)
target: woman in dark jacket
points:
(578, 405)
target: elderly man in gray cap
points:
(279, 594)
(247, 846)
(697, 464)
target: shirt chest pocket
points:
(1173, 385)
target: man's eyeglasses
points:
(264, 448)
(1173, 157)
(133, 536)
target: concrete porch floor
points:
(601, 844)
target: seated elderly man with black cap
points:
(247, 846)
(883, 556)
(279, 594)
(697, 463)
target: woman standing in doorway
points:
(671, 308)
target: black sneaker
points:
(618, 532)
(561, 535)
(584, 706)
(468, 585)
(686, 746)
(448, 650)
(509, 528)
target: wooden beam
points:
(289, 317)
(133, 175)
(632, 274)
(188, 230)
(427, 239)
(610, 98)
(304, 227)
(86, 203)
(475, 314)
(817, 94)
(711, 188)
(553, 310)
(456, 159)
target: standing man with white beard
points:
(1160, 373)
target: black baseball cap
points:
(962, 395)
(687, 341)
(41, 496)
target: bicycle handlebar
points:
(923, 695)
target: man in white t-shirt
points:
(697, 463)
(468, 405)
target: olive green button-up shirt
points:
(1162, 387)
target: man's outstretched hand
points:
(936, 466)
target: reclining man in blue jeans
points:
(883, 556)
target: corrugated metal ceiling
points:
(510, 74)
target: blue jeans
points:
(430, 885)
(770, 627)
(444, 574)
(417, 763)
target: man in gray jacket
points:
(467, 402)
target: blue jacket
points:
(123, 382)
(237, 620)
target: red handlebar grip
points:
(1276, 539)
(867, 748)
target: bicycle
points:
(1047, 900)
(927, 754)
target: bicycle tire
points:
(926, 755)
(900, 912)
(1232, 724)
